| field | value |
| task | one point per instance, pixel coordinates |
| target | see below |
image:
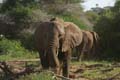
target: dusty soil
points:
(92, 71)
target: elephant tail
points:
(95, 37)
(96, 44)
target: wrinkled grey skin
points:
(73, 38)
(55, 40)
(47, 37)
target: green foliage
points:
(92, 16)
(19, 10)
(108, 27)
(60, 1)
(25, 12)
(73, 19)
(27, 41)
(9, 5)
(116, 8)
(22, 11)
(11, 49)
(20, 14)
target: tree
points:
(108, 27)
(24, 12)
(19, 11)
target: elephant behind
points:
(88, 46)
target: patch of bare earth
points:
(77, 71)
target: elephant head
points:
(47, 37)
(73, 36)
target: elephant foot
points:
(54, 70)
(73, 76)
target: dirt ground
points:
(78, 71)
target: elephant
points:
(88, 45)
(72, 39)
(54, 41)
(47, 36)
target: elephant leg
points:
(66, 63)
(43, 59)
(93, 51)
(61, 65)
(82, 52)
(80, 55)
(60, 57)
(53, 61)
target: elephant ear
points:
(73, 36)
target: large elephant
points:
(72, 39)
(47, 37)
(89, 44)
(54, 41)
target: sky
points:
(0, 1)
(92, 3)
(101, 3)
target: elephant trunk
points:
(53, 54)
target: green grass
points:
(90, 62)
(98, 74)
(38, 76)
(12, 50)
(18, 56)
(33, 76)
(98, 70)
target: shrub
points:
(27, 41)
(12, 49)
(73, 19)
(108, 28)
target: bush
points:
(108, 28)
(27, 41)
(11, 49)
(20, 13)
(73, 19)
